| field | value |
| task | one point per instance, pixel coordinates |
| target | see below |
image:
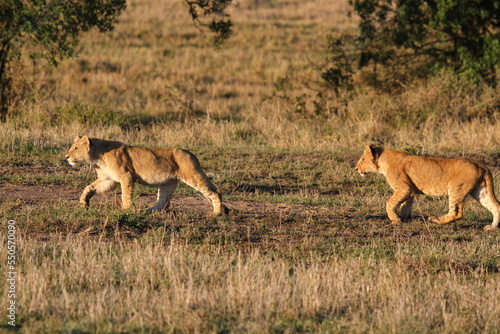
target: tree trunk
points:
(4, 83)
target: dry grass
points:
(263, 88)
(322, 259)
(306, 248)
(76, 284)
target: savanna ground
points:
(307, 246)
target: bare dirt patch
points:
(45, 194)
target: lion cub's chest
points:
(106, 173)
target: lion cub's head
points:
(369, 160)
(79, 151)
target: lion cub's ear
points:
(87, 141)
(369, 150)
(77, 138)
(373, 151)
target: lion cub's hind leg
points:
(481, 195)
(203, 185)
(164, 193)
(456, 205)
(192, 174)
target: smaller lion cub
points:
(410, 175)
(116, 163)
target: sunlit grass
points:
(307, 246)
(156, 283)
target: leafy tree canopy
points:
(220, 23)
(461, 34)
(54, 24)
(52, 28)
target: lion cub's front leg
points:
(400, 197)
(406, 208)
(87, 194)
(97, 187)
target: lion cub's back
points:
(155, 165)
(435, 175)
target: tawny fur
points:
(117, 163)
(410, 175)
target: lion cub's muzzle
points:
(360, 172)
(71, 162)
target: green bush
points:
(416, 37)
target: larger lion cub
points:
(409, 175)
(116, 163)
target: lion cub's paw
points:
(224, 211)
(84, 205)
(490, 228)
